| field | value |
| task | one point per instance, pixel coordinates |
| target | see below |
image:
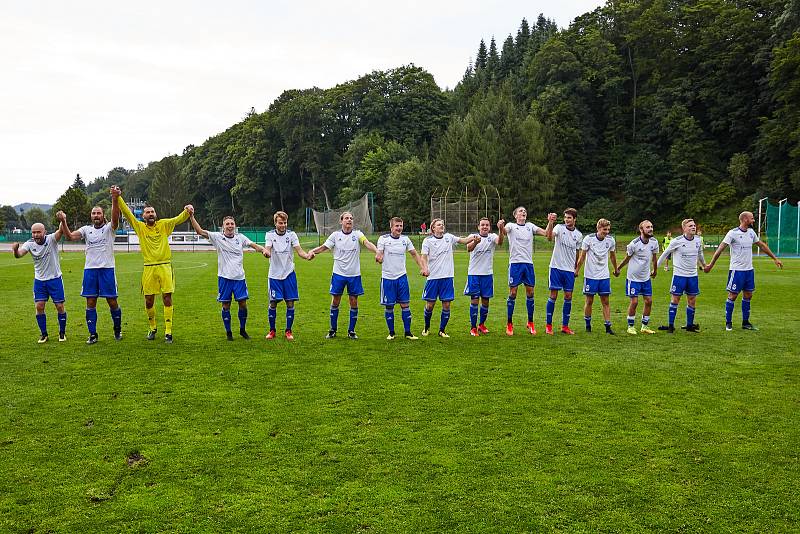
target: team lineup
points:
(571, 252)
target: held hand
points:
(115, 191)
(653, 273)
(552, 217)
(707, 268)
(15, 247)
(476, 238)
(576, 272)
(778, 263)
(265, 252)
(424, 272)
(189, 208)
(310, 255)
(616, 273)
(378, 258)
(501, 224)
(61, 216)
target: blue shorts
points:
(562, 280)
(285, 289)
(100, 282)
(395, 291)
(521, 273)
(352, 283)
(479, 285)
(593, 286)
(636, 289)
(441, 288)
(685, 284)
(44, 289)
(741, 281)
(231, 288)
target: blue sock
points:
(632, 320)
(550, 309)
(645, 320)
(566, 310)
(673, 311)
(405, 313)
(116, 317)
(588, 320)
(242, 319)
(529, 302)
(353, 319)
(689, 316)
(443, 320)
(607, 323)
(510, 308)
(272, 314)
(745, 309)
(62, 322)
(91, 320)
(334, 318)
(289, 318)
(388, 314)
(473, 315)
(226, 319)
(484, 313)
(729, 305)
(41, 319)
(428, 314)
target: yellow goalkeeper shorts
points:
(158, 279)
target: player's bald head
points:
(37, 227)
(745, 216)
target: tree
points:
(169, 191)
(78, 183)
(37, 215)
(75, 204)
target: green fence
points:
(782, 232)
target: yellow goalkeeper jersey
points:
(153, 240)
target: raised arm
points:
(114, 212)
(473, 240)
(179, 218)
(64, 227)
(501, 231)
(551, 222)
(125, 210)
(196, 225)
(15, 250)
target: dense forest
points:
(638, 109)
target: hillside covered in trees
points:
(639, 108)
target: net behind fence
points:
(461, 213)
(328, 221)
(781, 233)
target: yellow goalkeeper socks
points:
(151, 317)
(167, 319)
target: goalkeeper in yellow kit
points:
(157, 276)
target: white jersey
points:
(595, 265)
(230, 258)
(640, 254)
(685, 253)
(346, 252)
(46, 264)
(520, 242)
(281, 260)
(440, 255)
(481, 259)
(741, 243)
(99, 246)
(394, 255)
(565, 246)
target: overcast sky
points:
(87, 86)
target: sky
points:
(87, 86)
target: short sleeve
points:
(409, 245)
(584, 245)
(294, 240)
(26, 246)
(330, 242)
(425, 248)
(728, 239)
(245, 241)
(535, 229)
(381, 244)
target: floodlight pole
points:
(758, 253)
(780, 207)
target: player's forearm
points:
(766, 250)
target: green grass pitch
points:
(581, 433)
